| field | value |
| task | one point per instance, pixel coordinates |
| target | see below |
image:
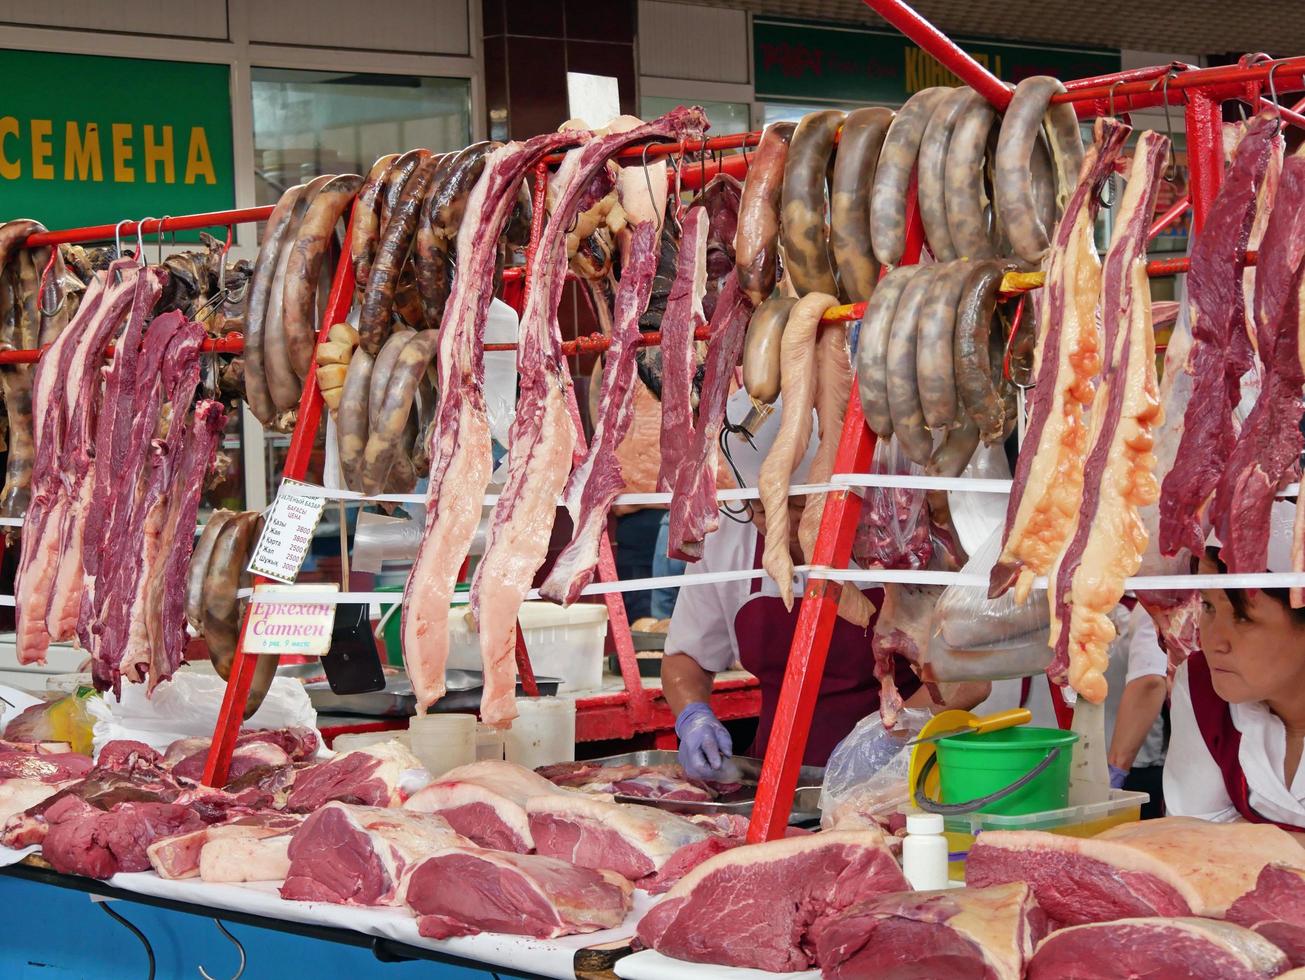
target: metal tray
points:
(805, 803)
(397, 700)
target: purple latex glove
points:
(1117, 777)
(704, 742)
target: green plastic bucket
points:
(974, 766)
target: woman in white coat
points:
(1238, 706)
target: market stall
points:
(898, 295)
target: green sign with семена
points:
(849, 66)
(88, 140)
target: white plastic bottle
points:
(924, 852)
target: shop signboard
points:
(88, 140)
(849, 66)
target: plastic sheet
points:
(977, 638)
(894, 527)
(187, 705)
(866, 776)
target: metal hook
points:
(144, 940)
(1171, 169)
(1112, 96)
(140, 239)
(117, 237)
(239, 948)
(163, 221)
(647, 179)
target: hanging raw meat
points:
(1221, 351)
(1108, 538)
(1049, 473)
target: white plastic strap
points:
(641, 499)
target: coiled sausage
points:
(756, 242)
(893, 175)
(804, 229)
(859, 146)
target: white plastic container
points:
(489, 742)
(543, 733)
(924, 852)
(443, 741)
(562, 643)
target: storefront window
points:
(725, 117)
(314, 122)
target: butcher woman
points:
(1238, 706)
(715, 626)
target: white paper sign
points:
(283, 628)
(287, 533)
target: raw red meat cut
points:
(596, 480)
(686, 859)
(356, 855)
(1173, 866)
(85, 840)
(1172, 949)
(125, 754)
(54, 767)
(1048, 478)
(368, 776)
(654, 782)
(1107, 538)
(754, 906)
(486, 802)
(464, 891)
(632, 840)
(1268, 447)
(1221, 351)
(1275, 908)
(683, 316)
(693, 505)
(954, 934)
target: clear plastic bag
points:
(894, 528)
(977, 638)
(867, 773)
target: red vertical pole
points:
(1204, 153)
(232, 712)
(819, 610)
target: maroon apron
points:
(848, 691)
(1214, 719)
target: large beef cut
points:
(754, 906)
(1107, 537)
(1221, 350)
(186, 757)
(369, 776)
(666, 781)
(632, 840)
(1172, 949)
(46, 767)
(954, 934)
(356, 855)
(85, 840)
(463, 891)
(486, 802)
(1048, 478)
(1275, 908)
(1171, 866)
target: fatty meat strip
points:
(694, 512)
(1048, 481)
(459, 440)
(543, 438)
(682, 318)
(38, 564)
(1108, 538)
(1221, 352)
(597, 480)
(1269, 444)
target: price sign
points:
(291, 627)
(287, 532)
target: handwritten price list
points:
(287, 533)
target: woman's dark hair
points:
(1238, 599)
